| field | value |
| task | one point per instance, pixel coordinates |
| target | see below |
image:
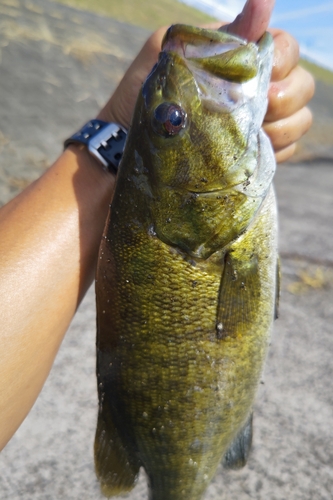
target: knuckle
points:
(290, 94)
(286, 55)
(285, 153)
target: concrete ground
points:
(58, 65)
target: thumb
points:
(253, 20)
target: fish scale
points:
(186, 283)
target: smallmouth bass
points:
(186, 282)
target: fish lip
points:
(265, 45)
(178, 36)
(192, 43)
(192, 34)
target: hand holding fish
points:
(66, 207)
(291, 88)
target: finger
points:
(286, 54)
(285, 132)
(289, 95)
(253, 21)
(285, 154)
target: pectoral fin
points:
(237, 455)
(239, 295)
(116, 465)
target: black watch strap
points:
(105, 141)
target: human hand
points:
(291, 87)
(287, 117)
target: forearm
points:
(50, 236)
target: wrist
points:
(85, 163)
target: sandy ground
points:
(57, 67)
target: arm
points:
(50, 235)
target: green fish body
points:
(186, 282)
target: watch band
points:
(105, 141)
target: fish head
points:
(203, 102)
(196, 131)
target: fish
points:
(186, 286)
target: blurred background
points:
(59, 62)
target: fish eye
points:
(169, 119)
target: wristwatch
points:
(105, 141)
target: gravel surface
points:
(58, 65)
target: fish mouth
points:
(217, 52)
(226, 67)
